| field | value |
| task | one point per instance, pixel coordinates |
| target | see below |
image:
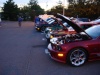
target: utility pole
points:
(0, 11)
(63, 7)
(46, 6)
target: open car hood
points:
(47, 18)
(73, 25)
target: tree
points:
(10, 10)
(85, 8)
(24, 12)
(56, 9)
(35, 9)
(76, 1)
(32, 2)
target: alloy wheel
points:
(78, 57)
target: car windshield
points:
(50, 20)
(83, 19)
(65, 24)
(94, 31)
(97, 20)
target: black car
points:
(43, 24)
(83, 19)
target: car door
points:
(99, 46)
(93, 46)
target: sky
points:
(45, 4)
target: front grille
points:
(55, 47)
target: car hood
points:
(73, 25)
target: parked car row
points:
(72, 44)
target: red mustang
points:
(77, 48)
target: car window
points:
(83, 19)
(85, 26)
(94, 31)
(98, 20)
(65, 24)
(50, 20)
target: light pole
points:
(63, 7)
(0, 11)
(46, 7)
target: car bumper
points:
(54, 54)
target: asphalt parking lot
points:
(22, 52)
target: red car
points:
(77, 48)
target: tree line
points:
(76, 8)
(84, 8)
(11, 11)
(79, 8)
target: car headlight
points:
(38, 28)
(50, 32)
(49, 29)
(53, 40)
(51, 37)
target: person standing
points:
(20, 21)
(37, 20)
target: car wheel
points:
(77, 57)
(43, 29)
(47, 35)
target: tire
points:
(77, 57)
(43, 28)
(47, 35)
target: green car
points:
(55, 27)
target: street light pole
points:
(0, 11)
(46, 6)
(63, 7)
